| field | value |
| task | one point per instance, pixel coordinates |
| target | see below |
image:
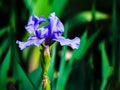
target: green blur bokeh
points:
(95, 65)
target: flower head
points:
(47, 34)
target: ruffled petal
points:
(42, 32)
(31, 41)
(74, 43)
(41, 20)
(34, 23)
(55, 25)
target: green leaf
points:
(38, 7)
(81, 48)
(13, 21)
(52, 62)
(41, 7)
(29, 4)
(64, 49)
(4, 46)
(22, 78)
(86, 16)
(65, 71)
(58, 8)
(105, 66)
(91, 61)
(3, 30)
(24, 81)
(4, 70)
(36, 77)
(77, 54)
(84, 45)
(114, 34)
(61, 78)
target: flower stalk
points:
(45, 63)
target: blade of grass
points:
(51, 68)
(4, 70)
(77, 56)
(63, 77)
(35, 77)
(12, 21)
(38, 7)
(58, 8)
(3, 30)
(29, 4)
(105, 66)
(86, 16)
(85, 44)
(94, 22)
(4, 46)
(114, 40)
(59, 85)
(24, 81)
(91, 61)
(22, 78)
(41, 7)
(64, 48)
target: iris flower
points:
(47, 34)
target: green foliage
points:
(82, 19)
(4, 70)
(58, 8)
(79, 53)
(105, 66)
(35, 75)
(52, 63)
(3, 31)
(23, 80)
(86, 16)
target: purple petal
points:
(34, 23)
(31, 41)
(41, 20)
(74, 43)
(56, 25)
(42, 32)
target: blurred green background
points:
(94, 66)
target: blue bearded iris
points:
(47, 34)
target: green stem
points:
(45, 63)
